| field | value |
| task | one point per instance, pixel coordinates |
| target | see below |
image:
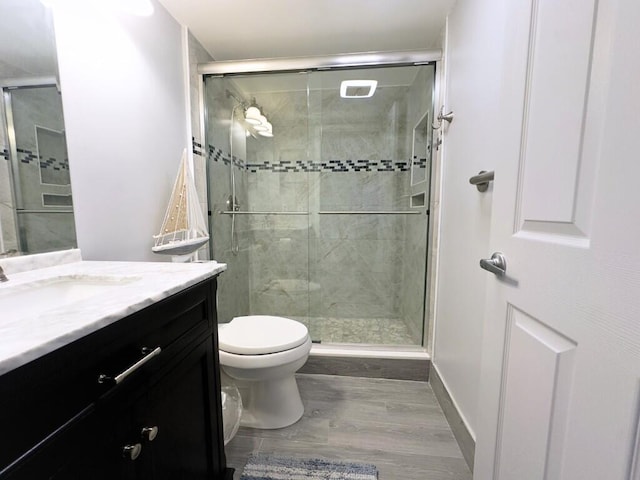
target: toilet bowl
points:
(261, 353)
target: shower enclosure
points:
(326, 220)
(36, 208)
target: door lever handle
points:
(496, 264)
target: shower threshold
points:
(369, 351)
(370, 361)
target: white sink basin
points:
(33, 298)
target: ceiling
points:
(247, 29)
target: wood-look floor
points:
(395, 424)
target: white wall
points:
(123, 95)
(197, 54)
(472, 54)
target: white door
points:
(561, 352)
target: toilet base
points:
(270, 404)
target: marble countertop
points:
(51, 300)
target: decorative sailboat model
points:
(184, 229)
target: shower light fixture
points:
(262, 126)
(252, 115)
(353, 88)
(268, 132)
(257, 121)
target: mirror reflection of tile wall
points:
(54, 160)
(8, 232)
(35, 193)
(45, 216)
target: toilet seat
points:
(266, 361)
(261, 335)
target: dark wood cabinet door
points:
(100, 458)
(88, 447)
(182, 407)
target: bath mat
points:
(271, 467)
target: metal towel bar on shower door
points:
(328, 212)
(369, 212)
(222, 212)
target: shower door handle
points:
(496, 264)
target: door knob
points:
(132, 451)
(496, 264)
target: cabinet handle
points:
(120, 377)
(149, 433)
(132, 451)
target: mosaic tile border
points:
(197, 147)
(362, 165)
(420, 162)
(216, 154)
(31, 158)
(294, 166)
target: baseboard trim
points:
(391, 368)
(460, 431)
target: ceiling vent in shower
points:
(358, 88)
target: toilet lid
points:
(261, 334)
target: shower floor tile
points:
(371, 331)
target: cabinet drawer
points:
(165, 327)
(41, 396)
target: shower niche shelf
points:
(418, 200)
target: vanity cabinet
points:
(138, 399)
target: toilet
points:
(261, 354)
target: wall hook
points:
(447, 117)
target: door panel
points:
(561, 347)
(538, 370)
(181, 407)
(559, 63)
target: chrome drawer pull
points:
(119, 378)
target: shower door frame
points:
(324, 63)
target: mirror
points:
(36, 210)
(421, 150)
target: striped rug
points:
(271, 467)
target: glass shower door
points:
(265, 239)
(327, 226)
(369, 238)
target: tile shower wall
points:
(42, 173)
(279, 181)
(355, 258)
(350, 265)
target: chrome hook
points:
(447, 117)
